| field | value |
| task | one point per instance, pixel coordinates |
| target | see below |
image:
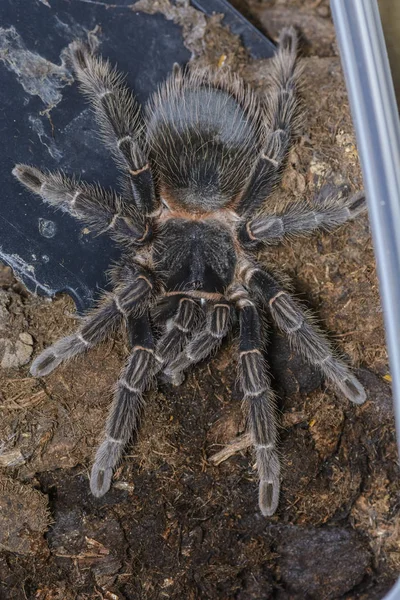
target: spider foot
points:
(352, 389)
(107, 457)
(176, 378)
(269, 469)
(62, 350)
(357, 204)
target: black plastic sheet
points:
(46, 122)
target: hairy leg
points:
(260, 402)
(118, 115)
(280, 125)
(127, 299)
(102, 210)
(204, 342)
(303, 335)
(185, 315)
(301, 219)
(124, 416)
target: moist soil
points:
(176, 524)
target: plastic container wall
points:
(376, 121)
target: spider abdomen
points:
(195, 255)
(203, 141)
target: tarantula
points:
(197, 168)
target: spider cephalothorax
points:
(197, 168)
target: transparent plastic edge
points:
(377, 126)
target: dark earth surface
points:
(176, 524)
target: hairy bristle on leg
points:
(119, 117)
(124, 417)
(179, 328)
(328, 210)
(281, 123)
(260, 401)
(305, 337)
(126, 300)
(102, 210)
(204, 342)
(95, 329)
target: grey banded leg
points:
(124, 416)
(304, 336)
(179, 327)
(103, 211)
(96, 326)
(259, 398)
(280, 126)
(300, 219)
(203, 343)
(118, 115)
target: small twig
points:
(241, 443)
